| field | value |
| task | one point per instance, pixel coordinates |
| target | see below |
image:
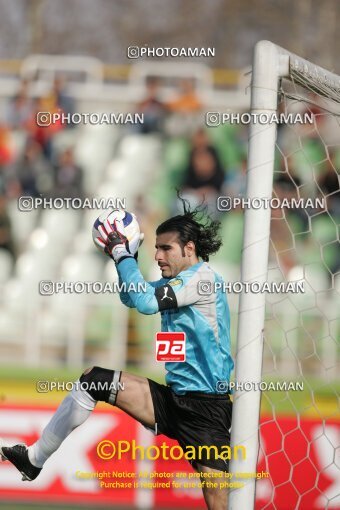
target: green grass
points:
(318, 398)
(24, 374)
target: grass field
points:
(18, 385)
(317, 399)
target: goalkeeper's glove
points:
(117, 245)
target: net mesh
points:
(300, 430)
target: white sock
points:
(72, 412)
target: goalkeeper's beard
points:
(166, 272)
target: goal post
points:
(270, 64)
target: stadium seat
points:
(46, 253)
(93, 151)
(117, 181)
(226, 139)
(61, 224)
(307, 162)
(110, 273)
(52, 218)
(133, 146)
(65, 139)
(231, 233)
(324, 230)
(176, 156)
(42, 243)
(11, 331)
(85, 268)
(18, 140)
(141, 153)
(30, 269)
(82, 242)
(6, 265)
(18, 319)
(23, 222)
(316, 278)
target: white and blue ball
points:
(129, 220)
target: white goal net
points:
(288, 342)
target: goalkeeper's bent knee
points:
(101, 384)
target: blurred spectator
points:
(286, 186)
(312, 107)
(186, 111)
(187, 100)
(281, 126)
(6, 149)
(153, 109)
(286, 183)
(148, 216)
(330, 187)
(68, 176)
(41, 127)
(32, 172)
(61, 99)
(6, 157)
(235, 185)
(6, 241)
(20, 108)
(204, 175)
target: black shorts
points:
(194, 419)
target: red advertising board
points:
(300, 458)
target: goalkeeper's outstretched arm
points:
(144, 301)
(158, 296)
(125, 296)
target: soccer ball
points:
(132, 230)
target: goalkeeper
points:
(194, 406)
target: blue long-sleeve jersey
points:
(186, 304)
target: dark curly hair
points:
(196, 226)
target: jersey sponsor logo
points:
(178, 281)
(170, 346)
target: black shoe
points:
(18, 455)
